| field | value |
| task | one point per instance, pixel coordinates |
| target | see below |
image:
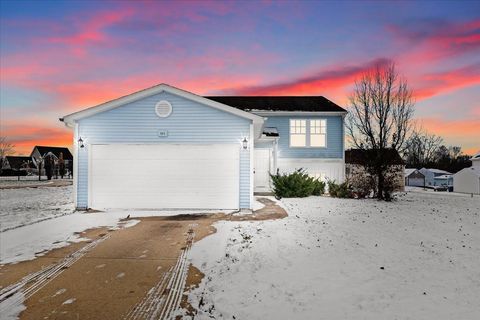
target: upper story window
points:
(308, 133)
(318, 133)
(298, 133)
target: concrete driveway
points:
(132, 273)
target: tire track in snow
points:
(164, 298)
(34, 282)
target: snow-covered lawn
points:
(24, 206)
(415, 258)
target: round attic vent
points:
(163, 108)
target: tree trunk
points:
(380, 185)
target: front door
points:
(262, 170)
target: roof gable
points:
(71, 118)
(67, 155)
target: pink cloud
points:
(431, 40)
(26, 134)
(442, 82)
(317, 83)
(90, 31)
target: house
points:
(467, 180)
(356, 159)
(164, 147)
(445, 180)
(39, 153)
(16, 165)
(414, 178)
(430, 175)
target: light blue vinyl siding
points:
(189, 123)
(335, 138)
(265, 145)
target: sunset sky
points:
(58, 57)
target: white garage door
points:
(164, 176)
(416, 182)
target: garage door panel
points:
(104, 167)
(173, 151)
(164, 176)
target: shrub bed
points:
(297, 184)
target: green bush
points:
(319, 187)
(341, 190)
(297, 184)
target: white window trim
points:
(310, 132)
(307, 133)
(290, 132)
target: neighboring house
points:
(164, 147)
(15, 164)
(430, 175)
(356, 159)
(467, 180)
(414, 178)
(39, 152)
(445, 180)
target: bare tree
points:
(380, 117)
(455, 152)
(421, 148)
(6, 148)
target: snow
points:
(25, 206)
(11, 311)
(69, 301)
(415, 258)
(257, 205)
(32, 240)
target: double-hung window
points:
(318, 133)
(298, 133)
(308, 133)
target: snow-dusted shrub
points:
(341, 190)
(363, 180)
(297, 184)
(360, 181)
(319, 187)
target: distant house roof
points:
(55, 150)
(437, 171)
(18, 162)
(279, 103)
(476, 156)
(409, 171)
(360, 156)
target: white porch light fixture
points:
(80, 143)
(245, 143)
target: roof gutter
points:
(298, 113)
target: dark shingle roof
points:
(359, 156)
(270, 132)
(279, 103)
(56, 151)
(17, 162)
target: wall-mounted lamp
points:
(80, 143)
(245, 143)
